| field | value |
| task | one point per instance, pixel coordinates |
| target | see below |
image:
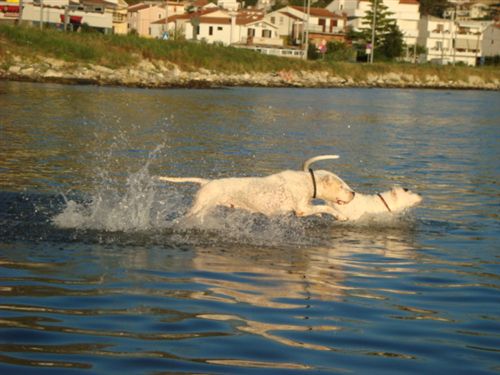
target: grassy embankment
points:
(116, 51)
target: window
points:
(219, 28)
(251, 32)
(322, 23)
(273, 20)
(266, 33)
(211, 30)
(282, 20)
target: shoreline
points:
(161, 74)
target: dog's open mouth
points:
(338, 201)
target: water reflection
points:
(104, 281)
(258, 280)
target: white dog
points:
(280, 193)
(395, 200)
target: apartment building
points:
(450, 41)
(405, 12)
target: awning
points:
(72, 19)
(9, 8)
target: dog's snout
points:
(406, 190)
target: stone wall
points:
(164, 74)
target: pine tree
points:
(383, 22)
(393, 43)
(386, 29)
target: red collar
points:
(384, 202)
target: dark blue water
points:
(96, 277)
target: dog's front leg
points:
(320, 209)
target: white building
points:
(490, 45)
(231, 5)
(448, 41)
(216, 25)
(109, 16)
(466, 10)
(322, 24)
(142, 15)
(77, 15)
(405, 12)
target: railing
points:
(264, 41)
(325, 29)
(119, 17)
(283, 52)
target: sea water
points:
(97, 275)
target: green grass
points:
(116, 51)
(123, 50)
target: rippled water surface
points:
(96, 275)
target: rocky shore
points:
(161, 74)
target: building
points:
(449, 41)
(141, 16)
(490, 45)
(107, 16)
(405, 12)
(9, 11)
(466, 10)
(216, 25)
(322, 24)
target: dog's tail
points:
(308, 162)
(196, 180)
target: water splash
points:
(136, 205)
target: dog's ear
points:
(329, 180)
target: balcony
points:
(255, 40)
(320, 29)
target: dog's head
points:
(400, 198)
(332, 188)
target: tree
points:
(433, 7)
(383, 22)
(393, 44)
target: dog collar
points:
(314, 182)
(384, 202)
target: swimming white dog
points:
(277, 194)
(395, 200)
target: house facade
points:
(257, 31)
(321, 24)
(216, 25)
(98, 14)
(9, 11)
(405, 12)
(448, 41)
(142, 16)
(491, 40)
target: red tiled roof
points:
(137, 7)
(291, 15)
(199, 3)
(188, 16)
(317, 12)
(243, 19)
(216, 20)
